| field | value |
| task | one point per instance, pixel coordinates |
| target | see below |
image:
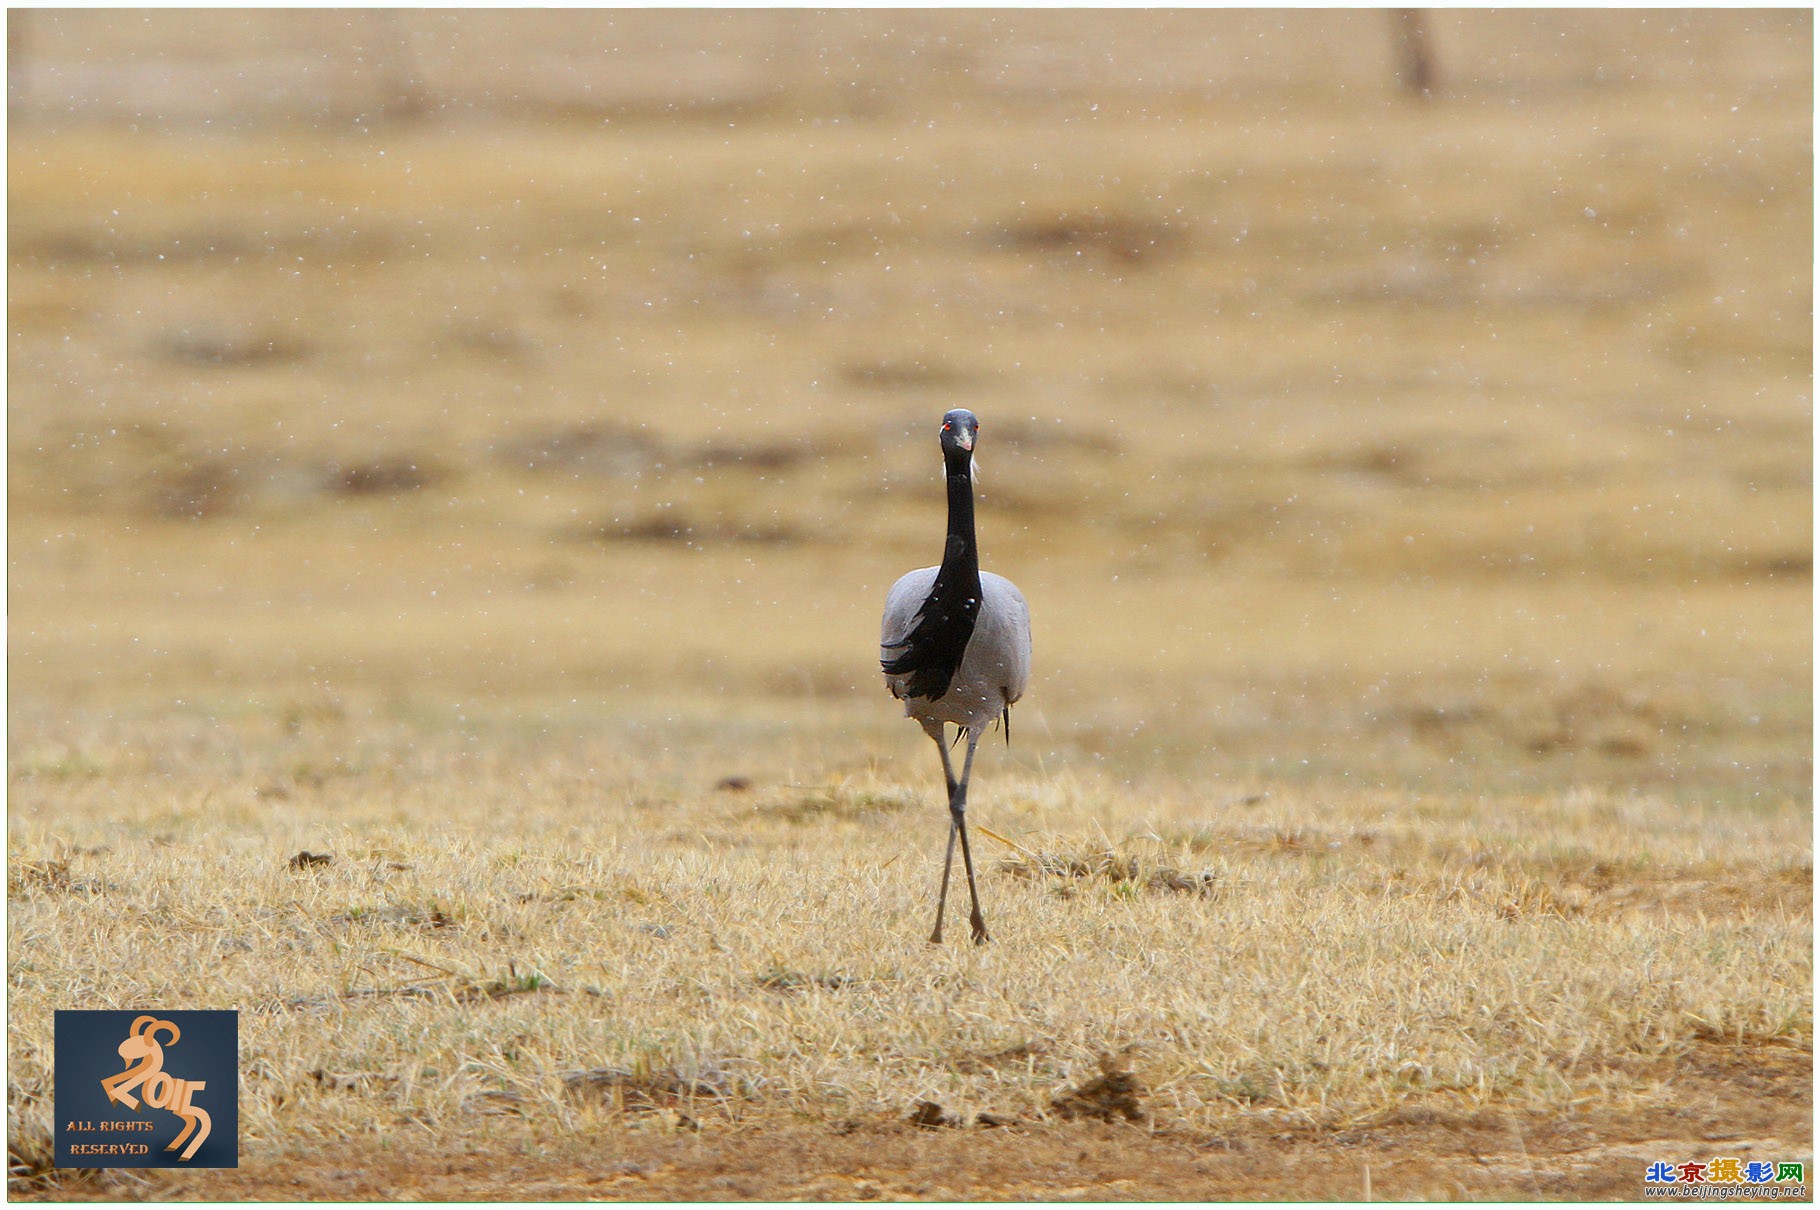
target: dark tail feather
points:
(1007, 717)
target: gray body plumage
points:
(994, 669)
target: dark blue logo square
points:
(147, 1090)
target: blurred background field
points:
(561, 388)
(604, 370)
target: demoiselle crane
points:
(955, 647)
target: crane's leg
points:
(957, 809)
(941, 905)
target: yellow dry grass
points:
(1414, 501)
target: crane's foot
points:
(935, 938)
(980, 935)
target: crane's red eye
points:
(946, 425)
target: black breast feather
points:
(931, 653)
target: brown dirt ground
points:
(1720, 1098)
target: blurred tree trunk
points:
(1415, 54)
(403, 94)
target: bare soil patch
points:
(1754, 1102)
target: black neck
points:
(961, 558)
(931, 653)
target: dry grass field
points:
(475, 447)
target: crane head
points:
(960, 429)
